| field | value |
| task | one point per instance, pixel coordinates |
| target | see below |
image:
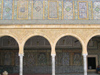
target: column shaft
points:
(21, 64)
(85, 63)
(53, 63)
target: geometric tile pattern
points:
(9, 61)
(37, 9)
(59, 58)
(75, 10)
(14, 15)
(53, 10)
(77, 59)
(7, 9)
(82, 10)
(68, 10)
(1, 4)
(66, 58)
(60, 10)
(22, 9)
(47, 9)
(96, 10)
(90, 10)
(30, 9)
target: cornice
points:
(60, 26)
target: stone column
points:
(21, 64)
(85, 63)
(53, 63)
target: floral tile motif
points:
(30, 59)
(42, 58)
(7, 9)
(77, 59)
(68, 10)
(96, 10)
(82, 10)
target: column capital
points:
(21, 54)
(85, 54)
(53, 55)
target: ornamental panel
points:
(37, 9)
(42, 58)
(77, 59)
(22, 9)
(53, 10)
(7, 9)
(82, 10)
(7, 58)
(66, 58)
(96, 10)
(68, 10)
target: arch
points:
(89, 50)
(33, 35)
(89, 38)
(36, 59)
(17, 41)
(9, 57)
(70, 34)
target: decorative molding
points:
(13, 10)
(43, 9)
(62, 10)
(92, 9)
(2, 10)
(73, 10)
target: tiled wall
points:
(49, 9)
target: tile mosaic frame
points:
(57, 10)
(70, 13)
(2, 10)
(87, 10)
(26, 13)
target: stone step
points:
(79, 74)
